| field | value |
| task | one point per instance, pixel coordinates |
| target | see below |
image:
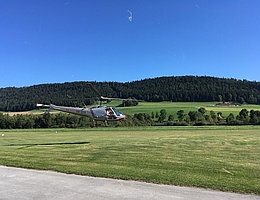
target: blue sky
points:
(56, 41)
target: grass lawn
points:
(174, 107)
(218, 157)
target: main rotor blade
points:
(42, 105)
(109, 98)
(119, 99)
(95, 90)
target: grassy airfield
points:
(174, 107)
(218, 157)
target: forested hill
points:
(175, 88)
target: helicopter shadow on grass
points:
(47, 144)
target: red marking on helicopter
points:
(92, 113)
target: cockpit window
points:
(117, 112)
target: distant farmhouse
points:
(227, 104)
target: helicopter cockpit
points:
(113, 113)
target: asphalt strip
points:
(16, 183)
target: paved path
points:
(17, 184)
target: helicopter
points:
(96, 113)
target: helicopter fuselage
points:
(97, 113)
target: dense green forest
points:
(175, 88)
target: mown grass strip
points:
(221, 158)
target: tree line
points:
(192, 118)
(174, 88)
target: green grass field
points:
(174, 107)
(219, 157)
